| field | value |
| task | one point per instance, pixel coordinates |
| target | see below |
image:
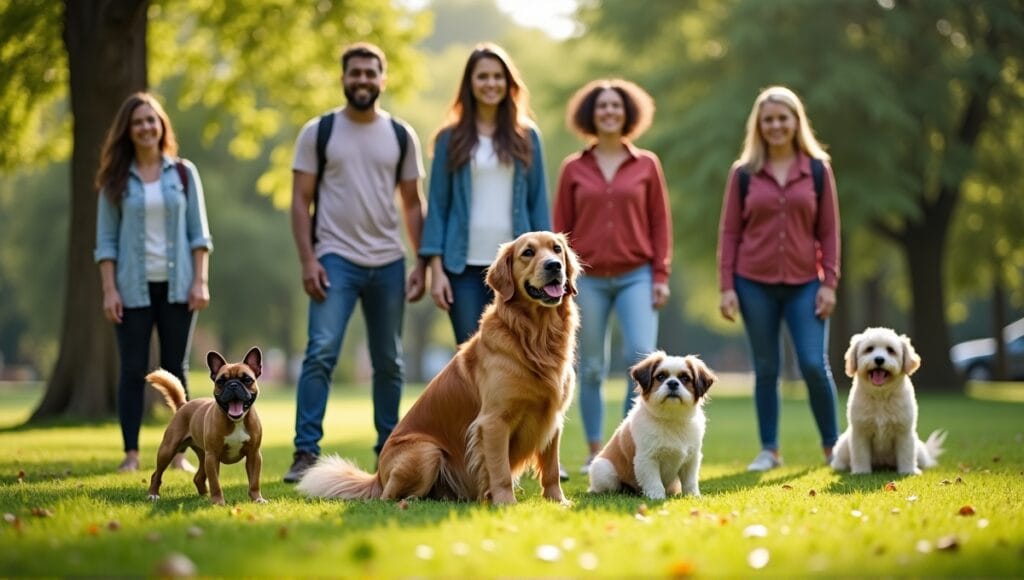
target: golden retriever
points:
(881, 412)
(497, 407)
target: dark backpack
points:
(817, 175)
(182, 175)
(323, 134)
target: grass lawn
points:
(66, 513)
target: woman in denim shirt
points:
(152, 246)
(487, 185)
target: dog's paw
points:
(153, 496)
(655, 494)
(914, 471)
(259, 500)
(217, 500)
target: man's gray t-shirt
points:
(358, 217)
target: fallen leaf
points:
(282, 532)
(786, 486)
(588, 561)
(235, 511)
(945, 482)
(548, 553)
(812, 493)
(891, 486)
(194, 532)
(755, 531)
(947, 543)
(758, 558)
(642, 509)
(113, 525)
(21, 475)
(681, 569)
(996, 459)
(175, 566)
(695, 513)
(424, 552)
(41, 512)
(92, 529)
(967, 510)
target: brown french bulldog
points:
(223, 429)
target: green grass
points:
(100, 523)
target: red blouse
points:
(780, 234)
(620, 225)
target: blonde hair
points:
(755, 151)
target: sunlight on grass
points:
(59, 496)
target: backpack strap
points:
(817, 176)
(182, 175)
(323, 134)
(402, 134)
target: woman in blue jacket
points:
(152, 246)
(487, 185)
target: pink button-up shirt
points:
(780, 233)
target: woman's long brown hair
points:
(119, 151)
(511, 140)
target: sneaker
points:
(764, 461)
(585, 469)
(563, 473)
(180, 462)
(303, 461)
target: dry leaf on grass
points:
(175, 566)
(194, 532)
(891, 486)
(812, 493)
(113, 525)
(966, 510)
(786, 486)
(41, 512)
(682, 569)
(402, 505)
(948, 543)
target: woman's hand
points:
(729, 305)
(113, 309)
(198, 296)
(440, 287)
(825, 302)
(660, 295)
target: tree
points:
(903, 92)
(237, 57)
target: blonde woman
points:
(778, 259)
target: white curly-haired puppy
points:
(656, 449)
(881, 412)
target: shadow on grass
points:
(848, 483)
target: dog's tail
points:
(169, 386)
(334, 477)
(933, 448)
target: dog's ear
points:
(500, 276)
(254, 360)
(703, 378)
(911, 360)
(215, 362)
(643, 371)
(851, 355)
(572, 264)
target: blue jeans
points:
(630, 294)
(764, 307)
(470, 295)
(174, 325)
(382, 293)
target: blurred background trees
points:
(920, 103)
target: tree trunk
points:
(923, 247)
(106, 44)
(1000, 372)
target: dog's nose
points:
(879, 360)
(672, 385)
(553, 265)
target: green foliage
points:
(102, 524)
(33, 79)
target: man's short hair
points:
(363, 50)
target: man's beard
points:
(361, 103)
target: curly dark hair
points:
(639, 106)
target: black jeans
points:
(174, 324)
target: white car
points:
(976, 359)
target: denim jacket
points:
(446, 229)
(121, 233)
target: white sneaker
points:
(764, 461)
(585, 469)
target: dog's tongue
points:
(235, 408)
(554, 290)
(878, 377)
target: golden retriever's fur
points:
(497, 407)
